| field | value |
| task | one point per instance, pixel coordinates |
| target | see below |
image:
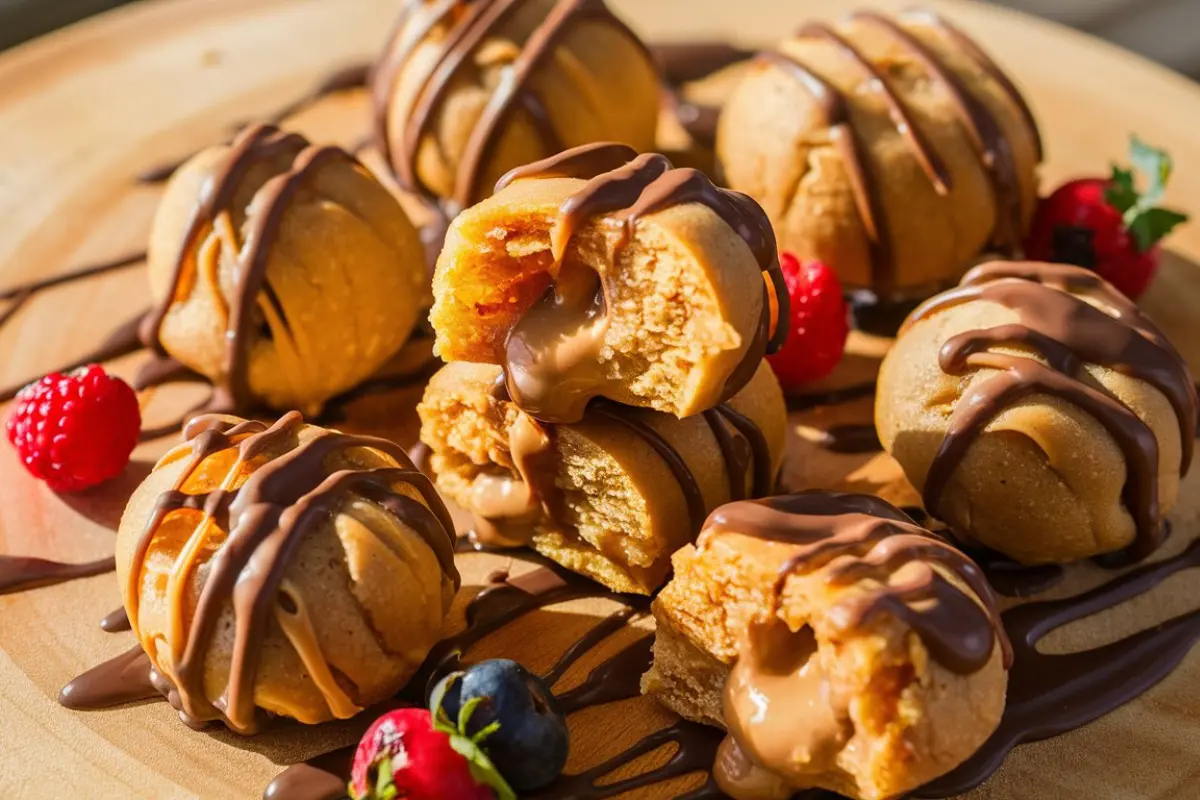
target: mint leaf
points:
(1121, 194)
(1151, 225)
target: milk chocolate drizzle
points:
(854, 538)
(626, 186)
(988, 137)
(468, 24)
(1052, 693)
(18, 573)
(266, 519)
(1057, 322)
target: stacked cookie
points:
(605, 316)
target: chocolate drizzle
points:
(988, 137)
(626, 186)
(18, 573)
(266, 519)
(468, 24)
(853, 538)
(1057, 322)
(1052, 693)
(120, 680)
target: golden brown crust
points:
(626, 513)
(775, 145)
(346, 272)
(365, 584)
(1045, 480)
(597, 86)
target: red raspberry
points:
(77, 430)
(819, 323)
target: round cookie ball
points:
(1041, 414)
(282, 271)
(464, 92)
(287, 571)
(893, 150)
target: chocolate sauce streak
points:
(121, 342)
(626, 186)
(116, 622)
(341, 79)
(465, 27)
(120, 680)
(1057, 322)
(833, 397)
(1050, 694)
(680, 63)
(850, 439)
(990, 141)
(267, 518)
(18, 573)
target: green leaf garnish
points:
(1139, 210)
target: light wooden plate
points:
(84, 110)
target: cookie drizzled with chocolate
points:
(846, 540)
(988, 137)
(509, 508)
(553, 353)
(1069, 317)
(264, 520)
(466, 25)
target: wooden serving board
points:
(84, 110)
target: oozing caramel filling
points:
(507, 508)
(783, 714)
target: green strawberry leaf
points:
(465, 713)
(1139, 210)
(1122, 194)
(385, 785)
(486, 731)
(481, 767)
(1153, 224)
(1155, 164)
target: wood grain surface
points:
(84, 110)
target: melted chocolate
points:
(1050, 694)
(851, 439)
(467, 26)
(18, 573)
(116, 622)
(123, 341)
(833, 397)
(266, 519)
(1057, 322)
(121, 680)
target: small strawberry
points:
(76, 430)
(1106, 225)
(414, 754)
(819, 323)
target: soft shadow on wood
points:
(105, 504)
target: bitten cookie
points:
(287, 571)
(465, 91)
(893, 149)
(282, 271)
(839, 644)
(1040, 412)
(603, 273)
(612, 496)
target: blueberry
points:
(530, 746)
